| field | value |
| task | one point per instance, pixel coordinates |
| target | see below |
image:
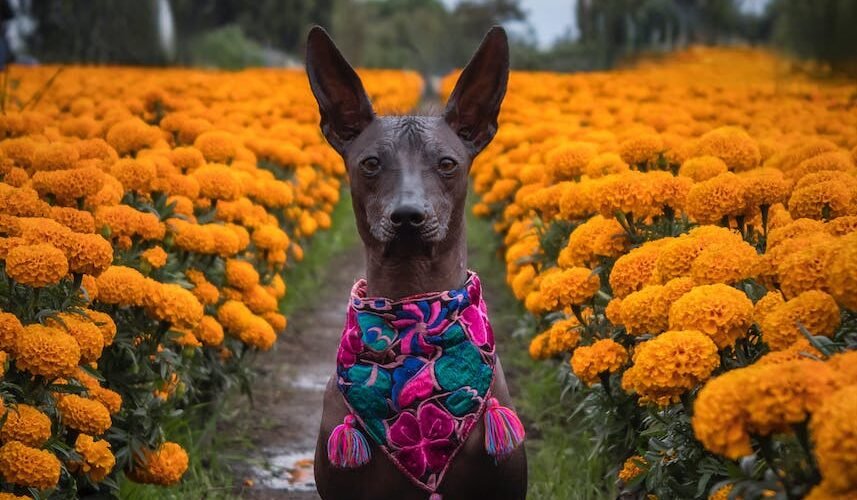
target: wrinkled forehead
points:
(408, 135)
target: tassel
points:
(347, 447)
(503, 430)
(436, 496)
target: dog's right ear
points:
(342, 102)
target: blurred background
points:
(430, 36)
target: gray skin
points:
(408, 178)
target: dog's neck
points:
(398, 277)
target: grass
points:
(560, 455)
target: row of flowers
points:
(146, 218)
(684, 236)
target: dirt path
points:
(289, 387)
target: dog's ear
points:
(342, 102)
(474, 104)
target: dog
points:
(430, 392)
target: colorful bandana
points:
(416, 373)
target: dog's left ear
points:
(474, 104)
(342, 102)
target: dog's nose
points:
(411, 215)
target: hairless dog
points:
(408, 177)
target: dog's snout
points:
(408, 215)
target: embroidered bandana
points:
(417, 372)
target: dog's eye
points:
(447, 166)
(371, 165)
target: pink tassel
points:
(347, 447)
(503, 430)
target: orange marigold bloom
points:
(84, 415)
(68, 186)
(187, 158)
(642, 149)
(814, 310)
(605, 164)
(78, 221)
(28, 467)
(26, 424)
(259, 300)
(604, 356)
(11, 331)
(632, 468)
(824, 200)
(732, 145)
(277, 321)
(635, 269)
(122, 286)
(218, 182)
(670, 365)
(55, 156)
(597, 237)
(104, 323)
(765, 187)
(832, 428)
(806, 269)
(88, 253)
(209, 331)
(719, 311)
(135, 175)
(36, 265)
(131, 135)
(84, 331)
(172, 303)
(97, 459)
(163, 466)
(270, 238)
(728, 262)
(710, 201)
(155, 257)
(639, 314)
(574, 286)
(841, 272)
(217, 146)
(567, 161)
(702, 168)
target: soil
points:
(289, 388)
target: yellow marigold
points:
(667, 190)
(709, 202)
(163, 466)
(568, 160)
(218, 182)
(84, 331)
(539, 347)
(639, 314)
(155, 257)
(77, 220)
(46, 351)
(765, 187)
(217, 146)
(104, 323)
(131, 135)
(173, 304)
(277, 286)
(702, 168)
(28, 467)
(87, 253)
(277, 321)
(258, 333)
(575, 200)
(605, 164)
(824, 200)
(792, 230)
(642, 149)
(26, 424)
(613, 311)
(719, 311)
(842, 226)
(111, 400)
(604, 356)
(11, 496)
(270, 238)
(597, 237)
(226, 241)
(187, 158)
(632, 468)
(135, 175)
(835, 441)
(36, 265)
(722, 493)
(121, 285)
(68, 186)
(97, 459)
(628, 192)
(574, 286)
(84, 415)
(10, 331)
(670, 365)
(123, 220)
(259, 300)
(766, 305)
(806, 269)
(826, 161)
(841, 272)
(55, 156)
(241, 274)
(814, 310)
(724, 263)
(635, 269)
(209, 331)
(192, 237)
(801, 349)
(732, 145)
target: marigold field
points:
(684, 237)
(146, 218)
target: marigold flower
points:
(597, 237)
(816, 311)
(539, 347)
(259, 300)
(604, 356)
(104, 323)
(632, 468)
(732, 145)
(670, 365)
(574, 286)
(218, 182)
(11, 331)
(85, 332)
(55, 156)
(122, 286)
(85, 415)
(131, 135)
(639, 314)
(192, 237)
(702, 168)
(155, 257)
(636, 269)
(28, 467)
(727, 262)
(270, 238)
(97, 459)
(709, 202)
(46, 351)
(567, 161)
(173, 304)
(806, 269)
(135, 175)
(68, 186)
(26, 424)
(209, 331)
(217, 146)
(36, 265)
(164, 466)
(642, 149)
(841, 272)
(824, 200)
(719, 311)
(832, 428)
(605, 164)
(277, 321)
(765, 187)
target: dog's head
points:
(408, 173)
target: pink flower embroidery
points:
(423, 441)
